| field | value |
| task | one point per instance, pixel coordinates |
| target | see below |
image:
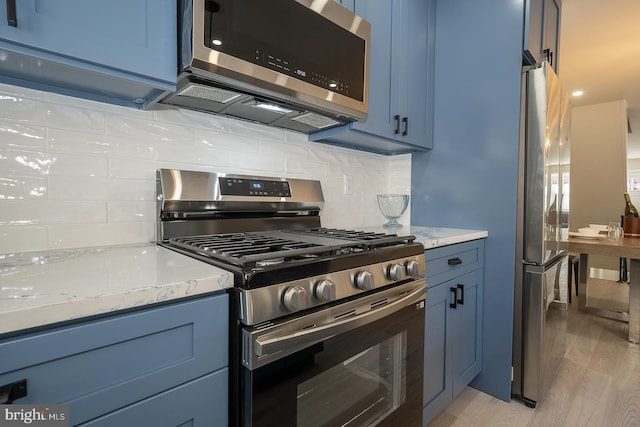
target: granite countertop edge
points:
(434, 237)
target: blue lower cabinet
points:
(202, 402)
(453, 328)
(437, 378)
(105, 365)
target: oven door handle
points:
(311, 336)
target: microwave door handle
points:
(321, 333)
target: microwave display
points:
(288, 37)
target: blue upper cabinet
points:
(117, 51)
(541, 32)
(400, 80)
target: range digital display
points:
(252, 187)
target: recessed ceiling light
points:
(577, 93)
(216, 42)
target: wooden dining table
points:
(621, 248)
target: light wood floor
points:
(597, 383)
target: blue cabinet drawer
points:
(99, 366)
(202, 402)
(447, 262)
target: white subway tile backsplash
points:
(23, 187)
(328, 154)
(242, 127)
(66, 141)
(128, 168)
(210, 122)
(227, 142)
(301, 167)
(35, 112)
(21, 213)
(143, 127)
(22, 239)
(22, 136)
(132, 211)
(270, 163)
(20, 92)
(199, 153)
(80, 235)
(25, 163)
(132, 189)
(87, 104)
(81, 173)
(79, 165)
(365, 161)
(269, 146)
(297, 137)
(106, 189)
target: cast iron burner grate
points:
(245, 249)
(372, 239)
(254, 249)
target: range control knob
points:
(413, 269)
(325, 290)
(395, 272)
(363, 280)
(295, 298)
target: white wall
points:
(598, 163)
(598, 168)
(78, 173)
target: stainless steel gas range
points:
(327, 325)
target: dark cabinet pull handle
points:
(405, 122)
(454, 304)
(13, 391)
(461, 289)
(12, 18)
(397, 119)
(454, 261)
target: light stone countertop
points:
(41, 288)
(433, 237)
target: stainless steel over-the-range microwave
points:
(298, 64)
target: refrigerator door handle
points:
(549, 263)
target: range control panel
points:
(254, 187)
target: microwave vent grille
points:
(316, 120)
(210, 93)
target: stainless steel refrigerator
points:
(542, 214)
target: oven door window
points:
(368, 376)
(362, 390)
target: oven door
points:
(359, 363)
